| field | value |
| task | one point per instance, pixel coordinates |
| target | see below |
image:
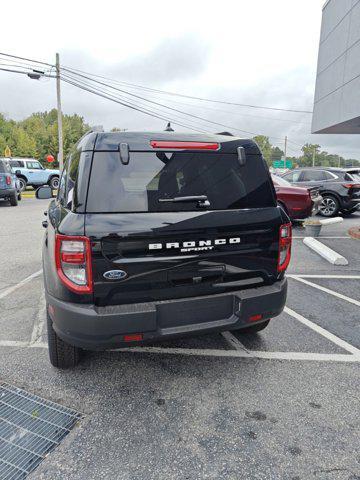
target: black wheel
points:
(23, 183)
(329, 206)
(54, 183)
(14, 200)
(61, 354)
(254, 328)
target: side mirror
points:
(241, 156)
(17, 172)
(44, 192)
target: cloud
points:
(181, 64)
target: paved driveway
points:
(282, 404)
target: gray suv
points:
(339, 187)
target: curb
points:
(325, 252)
(331, 221)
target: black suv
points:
(155, 235)
(339, 187)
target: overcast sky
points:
(257, 52)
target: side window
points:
(73, 170)
(34, 165)
(16, 163)
(293, 176)
(313, 176)
(61, 196)
(329, 176)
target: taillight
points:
(284, 247)
(73, 262)
(184, 145)
(8, 180)
(351, 185)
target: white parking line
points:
(345, 277)
(205, 352)
(327, 290)
(323, 237)
(325, 333)
(13, 343)
(316, 357)
(20, 284)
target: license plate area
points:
(188, 312)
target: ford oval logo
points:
(115, 274)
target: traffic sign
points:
(282, 164)
(7, 152)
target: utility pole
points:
(285, 151)
(313, 157)
(339, 161)
(59, 113)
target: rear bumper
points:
(101, 328)
(7, 192)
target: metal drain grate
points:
(30, 427)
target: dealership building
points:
(337, 92)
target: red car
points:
(298, 203)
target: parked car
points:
(339, 187)
(9, 184)
(31, 172)
(156, 235)
(298, 202)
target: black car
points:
(157, 235)
(339, 187)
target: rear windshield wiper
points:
(201, 199)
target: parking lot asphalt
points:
(281, 404)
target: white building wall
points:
(337, 92)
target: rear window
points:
(150, 176)
(4, 168)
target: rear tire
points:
(54, 183)
(23, 183)
(330, 206)
(14, 200)
(254, 328)
(61, 354)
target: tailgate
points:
(181, 254)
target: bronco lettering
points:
(189, 246)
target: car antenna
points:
(169, 128)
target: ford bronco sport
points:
(157, 235)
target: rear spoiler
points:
(124, 152)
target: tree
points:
(265, 147)
(308, 152)
(37, 135)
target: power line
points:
(229, 112)
(26, 59)
(190, 96)
(127, 103)
(231, 127)
(159, 104)
(130, 102)
(133, 107)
